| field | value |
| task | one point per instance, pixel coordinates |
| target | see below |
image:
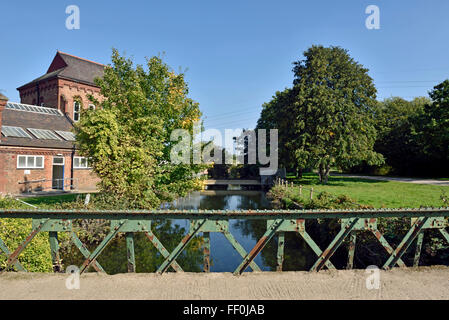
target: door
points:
(58, 173)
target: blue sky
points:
(238, 53)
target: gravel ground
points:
(403, 284)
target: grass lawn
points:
(51, 200)
(379, 194)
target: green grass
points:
(52, 200)
(379, 194)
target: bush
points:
(289, 198)
(36, 257)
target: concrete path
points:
(407, 180)
(404, 284)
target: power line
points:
(389, 81)
(398, 87)
(218, 119)
(408, 70)
(230, 114)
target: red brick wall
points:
(56, 64)
(54, 92)
(10, 176)
(48, 93)
(70, 91)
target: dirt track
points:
(422, 283)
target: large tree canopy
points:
(327, 118)
(414, 135)
(127, 137)
(397, 134)
(433, 129)
(277, 114)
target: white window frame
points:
(77, 112)
(79, 161)
(59, 164)
(26, 162)
(92, 106)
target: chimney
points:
(3, 101)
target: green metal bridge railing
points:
(207, 221)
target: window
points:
(30, 162)
(91, 107)
(15, 132)
(76, 111)
(67, 135)
(80, 163)
(44, 134)
(30, 108)
(59, 161)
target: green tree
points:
(127, 137)
(336, 104)
(434, 129)
(397, 138)
(277, 114)
(327, 118)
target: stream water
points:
(224, 258)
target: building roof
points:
(2, 97)
(17, 115)
(66, 66)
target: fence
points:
(59, 184)
(286, 184)
(206, 221)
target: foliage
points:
(290, 198)
(114, 257)
(327, 118)
(278, 114)
(127, 137)
(396, 123)
(36, 257)
(433, 130)
(445, 198)
(413, 135)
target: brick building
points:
(37, 149)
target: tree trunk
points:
(326, 174)
(321, 172)
(299, 173)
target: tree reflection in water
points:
(298, 256)
(114, 257)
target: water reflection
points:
(224, 258)
(114, 257)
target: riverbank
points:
(375, 192)
(403, 284)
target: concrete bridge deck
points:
(233, 182)
(404, 284)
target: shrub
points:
(36, 257)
